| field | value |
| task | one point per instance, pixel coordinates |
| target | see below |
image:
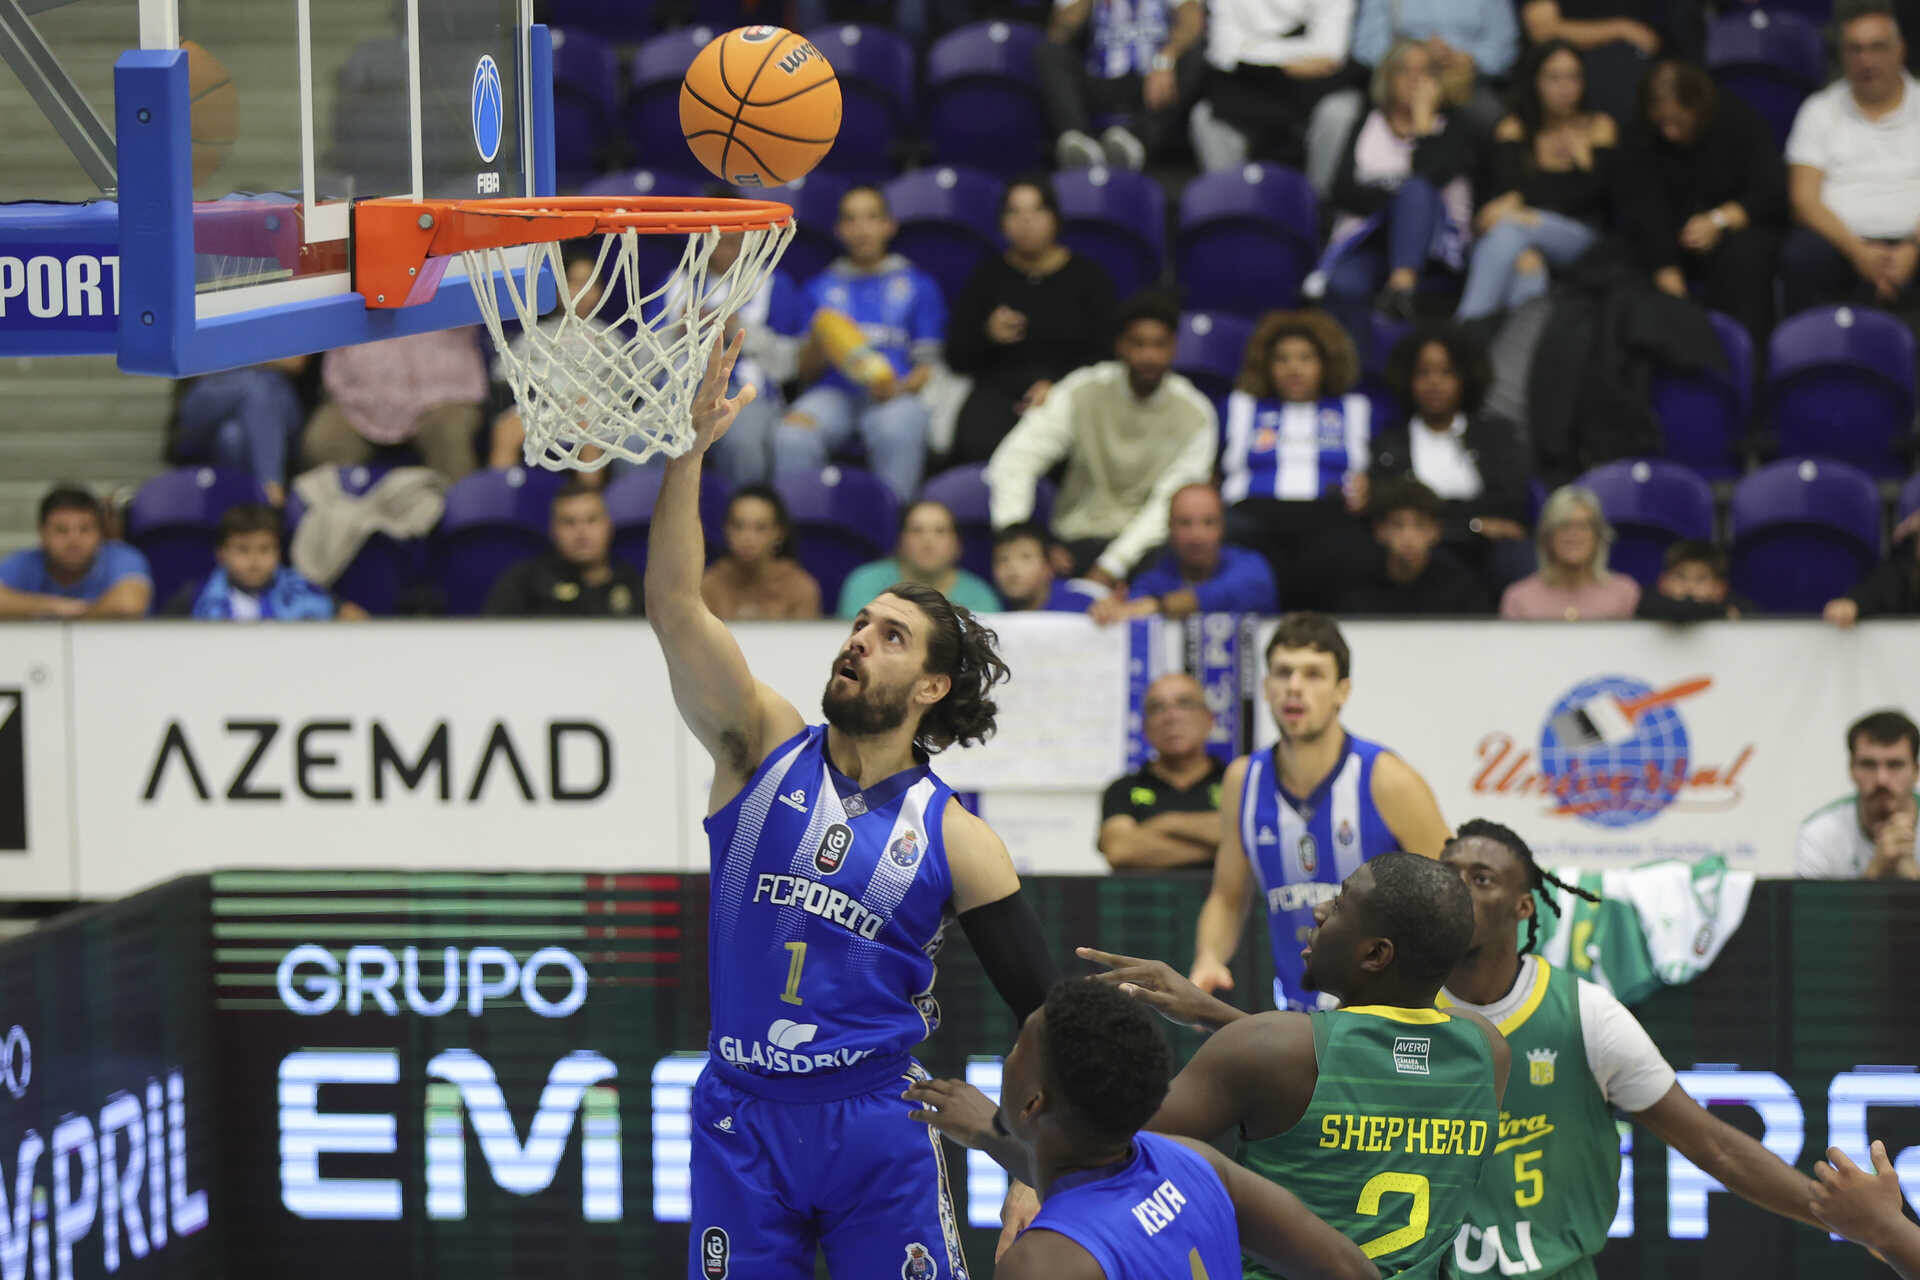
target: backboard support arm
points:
(53, 90)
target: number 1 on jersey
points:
(798, 950)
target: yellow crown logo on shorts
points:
(1540, 1065)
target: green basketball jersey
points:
(1553, 1184)
(1391, 1145)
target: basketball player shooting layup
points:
(1380, 1115)
(836, 857)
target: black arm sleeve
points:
(1006, 936)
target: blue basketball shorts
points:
(774, 1178)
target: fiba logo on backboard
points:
(1613, 751)
(489, 108)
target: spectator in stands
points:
(1294, 466)
(578, 578)
(1472, 45)
(1614, 39)
(1140, 66)
(1130, 431)
(1572, 583)
(758, 578)
(1023, 574)
(1199, 573)
(251, 584)
(1166, 813)
(1853, 173)
(1868, 835)
(246, 419)
(1026, 319)
(428, 390)
(1693, 587)
(1272, 65)
(1891, 591)
(74, 572)
(928, 553)
(902, 319)
(1473, 459)
(1401, 192)
(1414, 575)
(1551, 187)
(1704, 194)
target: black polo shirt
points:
(1143, 793)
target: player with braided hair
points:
(1552, 1186)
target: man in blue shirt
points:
(74, 572)
(901, 315)
(1023, 573)
(1198, 573)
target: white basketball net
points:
(616, 379)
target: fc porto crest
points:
(1309, 854)
(1345, 834)
(919, 1264)
(906, 850)
(833, 849)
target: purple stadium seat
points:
(1704, 413)
(1117, 218)
(842, 518)
(1209, 352)
(1383, 333)
(983, 100)
(630, 502)
(1804, 531)
(964, 490)
(378, 576)
(875, 68)
(1771, 59)
(1651, 505)
(816, 208)
(653, 99)
(1841, 385)
(949, 220)
(1909, 501)
(621, 21)
(493, 520)
(586, 99)
(1247, 238)
(175, 521)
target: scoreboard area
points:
(320, 1076)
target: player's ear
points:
(1525, 909)
(1378, 957)
(933, 687)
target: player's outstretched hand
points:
(1159, 985)
(956, 1109)
(1865, 1207)
(713, 409)
(1019, 1209)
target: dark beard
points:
(864, 715)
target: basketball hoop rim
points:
(402, 245)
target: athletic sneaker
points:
(1075, 150)
(1123, 150)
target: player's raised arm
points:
(1276, 1226)
(1224, 914)
(735, 717)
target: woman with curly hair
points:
(1294, 465)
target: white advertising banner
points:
(1609, 745)
(130, 754)
(404, 745)
(36, 795)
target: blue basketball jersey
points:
(897, 306)
(1293, 452)
(1157, 1216)
(1302, 847)
(827, 906)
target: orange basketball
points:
(215, 109)
(760, 106)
